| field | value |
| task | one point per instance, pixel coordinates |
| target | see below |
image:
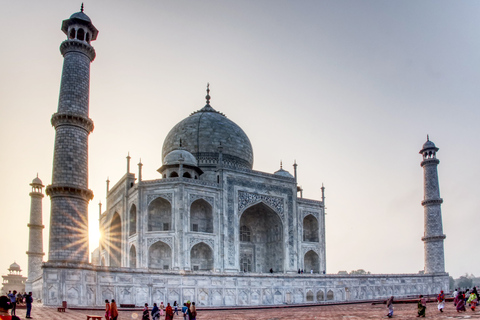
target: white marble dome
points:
(180, 156)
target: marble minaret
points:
(35, 237)
(433, 235)
(69, 191)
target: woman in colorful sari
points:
(441, 301)
(473, 299)
(145, 315)
(422, 306)
(460, 302)
(169, 312)
(390, 307)
(114, 310)
(155, 312)
(107, 310)
(161, 307)
(193, 312)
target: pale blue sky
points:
(349, 89)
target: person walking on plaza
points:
(390, 307)
(13, 301)
(155, 312)
(5, 304)
(161, 307)
(145, 315)
(169, 312)
(193, 312)
(422, 306)
(107, 310)
(28, 302)
(175, 306)
(473, 299)
(460, 302)
(114, 310)
(184, 311)
(441, 301)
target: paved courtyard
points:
(344, 311)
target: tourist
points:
(271, 270)
(145, 315)
(28, 301)
(162, 307)
(5, 304)
(390, 307)
(175, 305)
(441, 301)
(472, 300)
(13, 301)
(155, 312)
(193, 311)
(454, 294)
(169, 312)
(422, 306)
(107, 310)
(460, 302)
(184, 311)
(189, 317)
(113, 310)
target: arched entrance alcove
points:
(133, 220)
(311, 262)
(115, 241)
(310, 229)
(132, 259)
(261, 239)
(201, 257)
(201, 217)
(160, 256)
(159, 215)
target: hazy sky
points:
(349, 89)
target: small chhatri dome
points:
(180, 155)
(428, 145)
(37, 181)
(14, 267)
(80, 18)
(283, 173)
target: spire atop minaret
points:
(208, 94)
(81, 8)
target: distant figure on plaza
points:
(175, 306)
(169, 312)
(184, 311)
(113, 310)
(189, 315)
(441, 301)
(155, 312)
(28, 301)
(271, 270)
(5, 304)
(193, 312)
(473, 299)
(145, 315)
(161, 307)
(107, 310)
(390, 307)
(422, 306)
(460, 302)
(13, 301)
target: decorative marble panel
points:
(167, 240)
(245, 199)
(194, 241)
(166, 196)
(194, 197)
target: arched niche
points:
(310, 229)
(266, 247)
(330, 295)
(160, 256)
(311, 262)
(115, 241)
(309, 296)
(201, 257)
(132, 258)
(201, 216)
(159, 215)
(320, 295)
(133, 220)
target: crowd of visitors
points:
(189, 311)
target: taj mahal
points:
(210, 229)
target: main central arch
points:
(261, 240)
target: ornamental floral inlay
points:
(247, 198)
(194, 197)
(166, 196)
(168, 241)
(194, 241)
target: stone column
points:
(69, 191)
(35, 237)
(433, 235)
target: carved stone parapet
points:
(434, 238)
(432, 201)
(77, 120)
(66, 190)
(432, 161)
(77, 46)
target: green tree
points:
(451, 283)
(465, 281)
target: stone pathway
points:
(333, 312)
